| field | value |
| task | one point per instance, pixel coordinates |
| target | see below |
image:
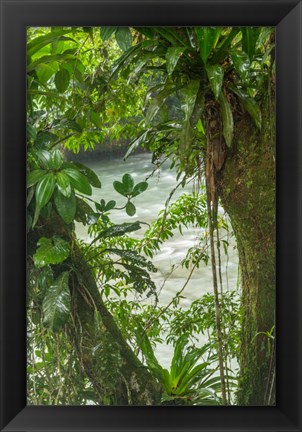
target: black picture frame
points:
(16, 15)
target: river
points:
(148, 204)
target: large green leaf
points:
(49, 59)
(250, 105)
(128, 183)
(189, 98)
(106, 32)
(35, 176)
(172, 56)
(124, 38)
(63, 183)
(44, 158)
(62, 79)
(57, 303)
(66, 206)
(207, 39)
(119, 187)
(56, 159)
(139, 188)
(215, 76)
(78, 180)
(227, 119)
(249, 39)
(91, 175)
(241, 63)
(157, 102)
(84, 212)
(44, 189)
(224, 46)
(39, 42)
(46, 71)
(52, 250)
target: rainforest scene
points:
(151, 276)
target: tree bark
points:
(246, 187)
(117, 375)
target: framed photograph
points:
(150, 218)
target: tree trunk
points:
(117, 375)
(247, 190)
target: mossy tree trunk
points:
(116, 373)
(114, 370)
(247, 190)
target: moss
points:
(247, 191)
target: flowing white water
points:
(148, 204)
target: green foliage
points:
(57, 303)
(123, 38)
(207, 39)
(215, 76)
(62, 79)
(51, 251)
(66, 206)
(156, 93)
(172, 56)
(188, 381)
